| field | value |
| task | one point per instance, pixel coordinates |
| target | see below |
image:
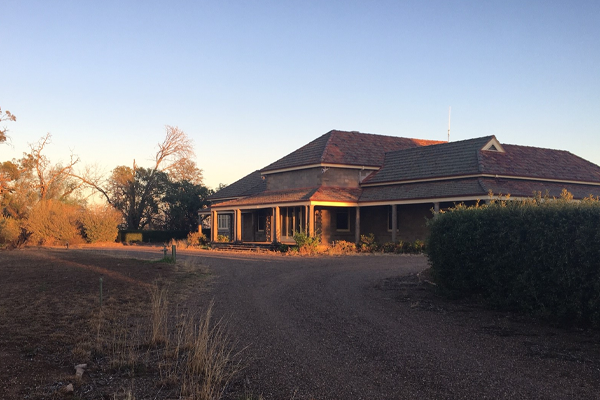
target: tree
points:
(50, 181)
(182, 201)
(40, 196)
(5, 116)
(137, 192)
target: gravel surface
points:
(364, 327)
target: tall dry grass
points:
(193, 353)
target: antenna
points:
(449, 110)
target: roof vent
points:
(493, 145)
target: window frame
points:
(223, 222)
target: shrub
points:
(100, 224)
(388, 247)
(342, 247)
(367, 243)
(283, 248)
(10, 230)
(52, 222)
(540, 256)
(222, 238)
(196, 239)
(307, 244)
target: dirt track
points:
(356, 328)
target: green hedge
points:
(151, 236)
(541, 256)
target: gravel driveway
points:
(361, 327)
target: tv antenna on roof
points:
(449, 110)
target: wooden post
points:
(214, 227)
(238, 225)
(275, 228)
(311, 220)
(394, 222)
(357, 225)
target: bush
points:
(540, 256)
(52, 222)
(100, 224)
(222, 238)
(307, 244)
(196, 239)
(388, 247)
(367, 243)
(10, 230)
(342, 247)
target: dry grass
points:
(193, 354)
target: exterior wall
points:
(340, 177)
(248, 227)
(412, 219)
(294, 179)
(325, 224)
(411, 222)
(250, 232)
(375, 220)
(337, 177)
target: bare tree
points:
(6, 116)
(51, 181)
(136, 191)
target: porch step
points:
(243, 247)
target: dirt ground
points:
(50, 321)
(360, 327)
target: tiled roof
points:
(466, 158)
(447, 159)
(538, 163)
(473, 187)
(295, 195)
(347, 148)
(525, 188)
(424, 190)
(247, 186)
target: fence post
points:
(174, 252)
(101, 292)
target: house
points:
(346, 184)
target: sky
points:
(251, 81)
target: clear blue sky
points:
(251, 81)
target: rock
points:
(68, 389)
(79, 370)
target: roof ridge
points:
(324, 153)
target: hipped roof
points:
(467, 157)
(346, 148)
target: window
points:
(261, 220)
(223, 221)
(342, 220)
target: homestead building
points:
(346, 184)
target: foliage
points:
(10, 230)
(367, 244)
(341, 247)
(182, 201)
(283, 248)
(307, 244)
(388, 247)
(540, 255)
(222, 238)
(52, 222)
(100, 224)
(147, 196)
(196, 239)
